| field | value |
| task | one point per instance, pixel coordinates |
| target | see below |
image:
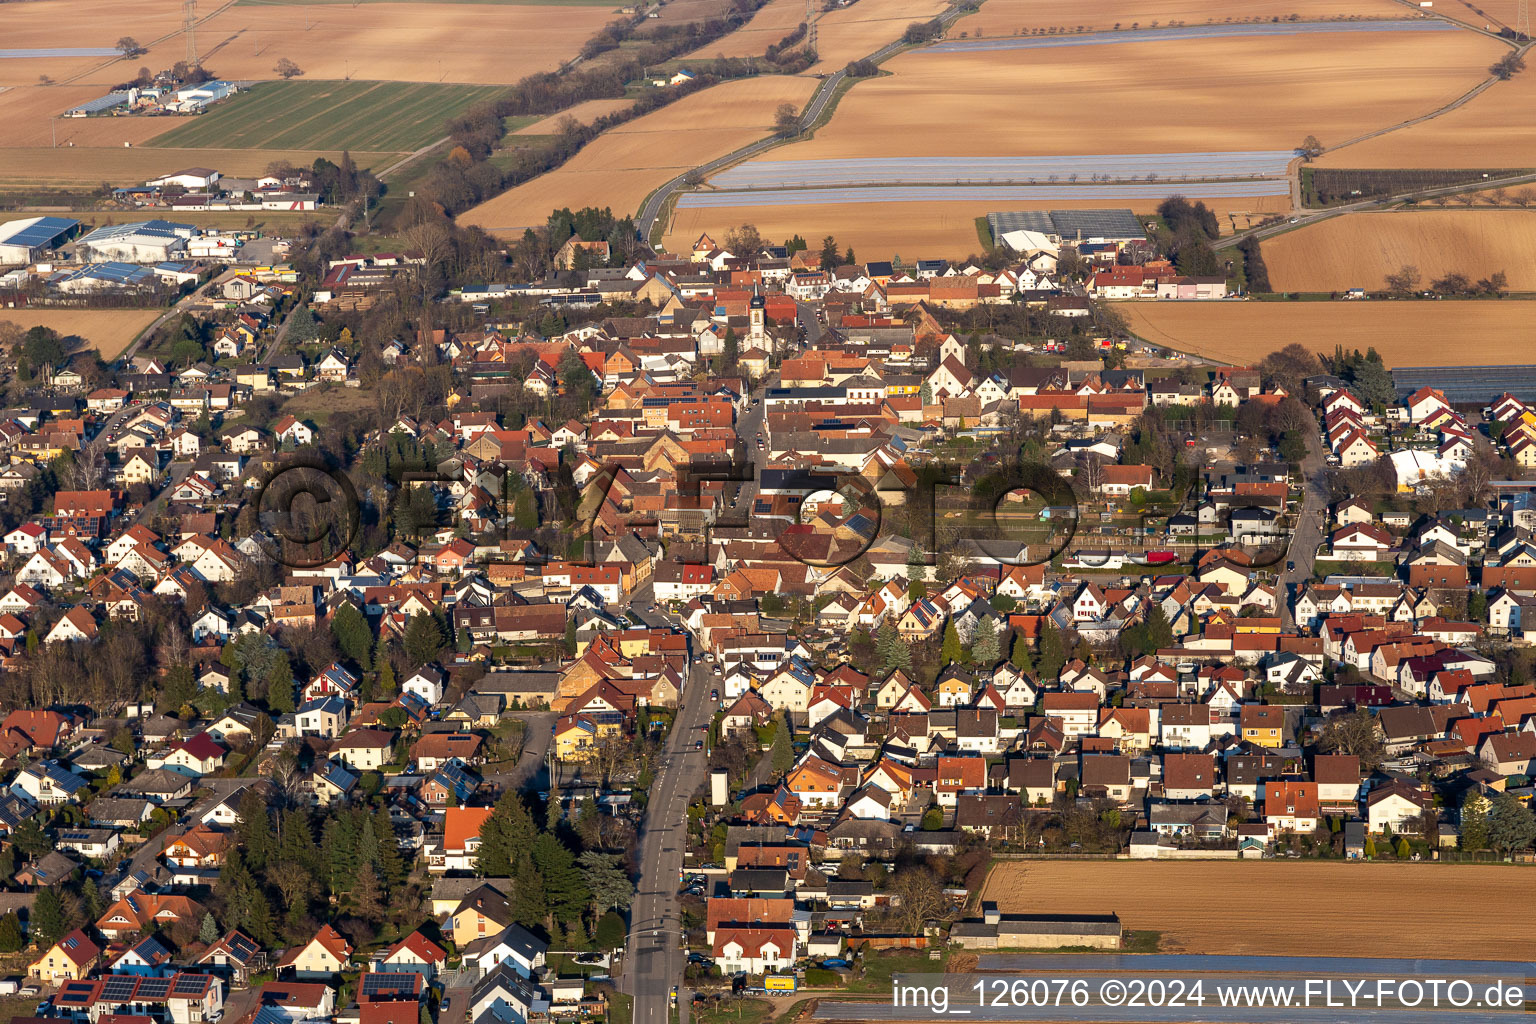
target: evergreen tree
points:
(350, 628)
(12, 940)
(781, 754)
(530, 907)
(951, 650)
(1402, 849)
(253, 830)
(92, 905)
(392, 869)
(423, 639)
(925, 393)
(606, 881)
(1053, 652)
(1511, 825)
(30, 838)
(208, 933)
(505, 838)
(280, 686)
(48, 920)
(570, 637)
(525, 510)
(1021, 657)
(984, 645)
(386, 675)
(565, 890)
(828, 253)
(1474, 822)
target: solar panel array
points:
(1068, 224)
(153, 989)
(1074, 169)
(1468, 384)
(389, 983)
(119, 988)
(40, 232)
(189, 984)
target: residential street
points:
(150, 850)
(1308, 533)
(654, 951)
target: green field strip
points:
(329, 115)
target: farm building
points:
(22, 241)
(192, 177)
(1031, 227)
(1036, 931)
(101, 277)
(145, 241)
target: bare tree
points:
(1405, 281)
(287, 68)
(1310, 148)
(786, 119)
(1525, 197)
(922, 897)
(129, 47)
(90, 465)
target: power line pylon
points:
(189, 26)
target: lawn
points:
(395, 117)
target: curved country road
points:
(650, 212)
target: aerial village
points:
(674, 523)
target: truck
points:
(779, 983)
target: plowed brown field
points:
(1194, 95)
(621, 167)
(109, 331)
(1285, 907)
(1359, 250)
(1495, 129)
(1415, 333)
(775, 21)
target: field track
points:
(1323, 908)
(1413, 333)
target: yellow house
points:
(1263, 724)
(69, 959)
(953, 691)
(578, 736)
(141, 469)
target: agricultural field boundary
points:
(1176, 32)
(831, 88)
(361, 115)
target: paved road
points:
(654, 949)
(1308, 533)
(651, 211)
(530, 763)
(150, 850)
(182, 304)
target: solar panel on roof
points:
(76, 988)
(119, 988)
(153, 988)
(189, 984)
(380, 983)
(1068, 224)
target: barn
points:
(23, 241)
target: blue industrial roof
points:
(39, 231)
